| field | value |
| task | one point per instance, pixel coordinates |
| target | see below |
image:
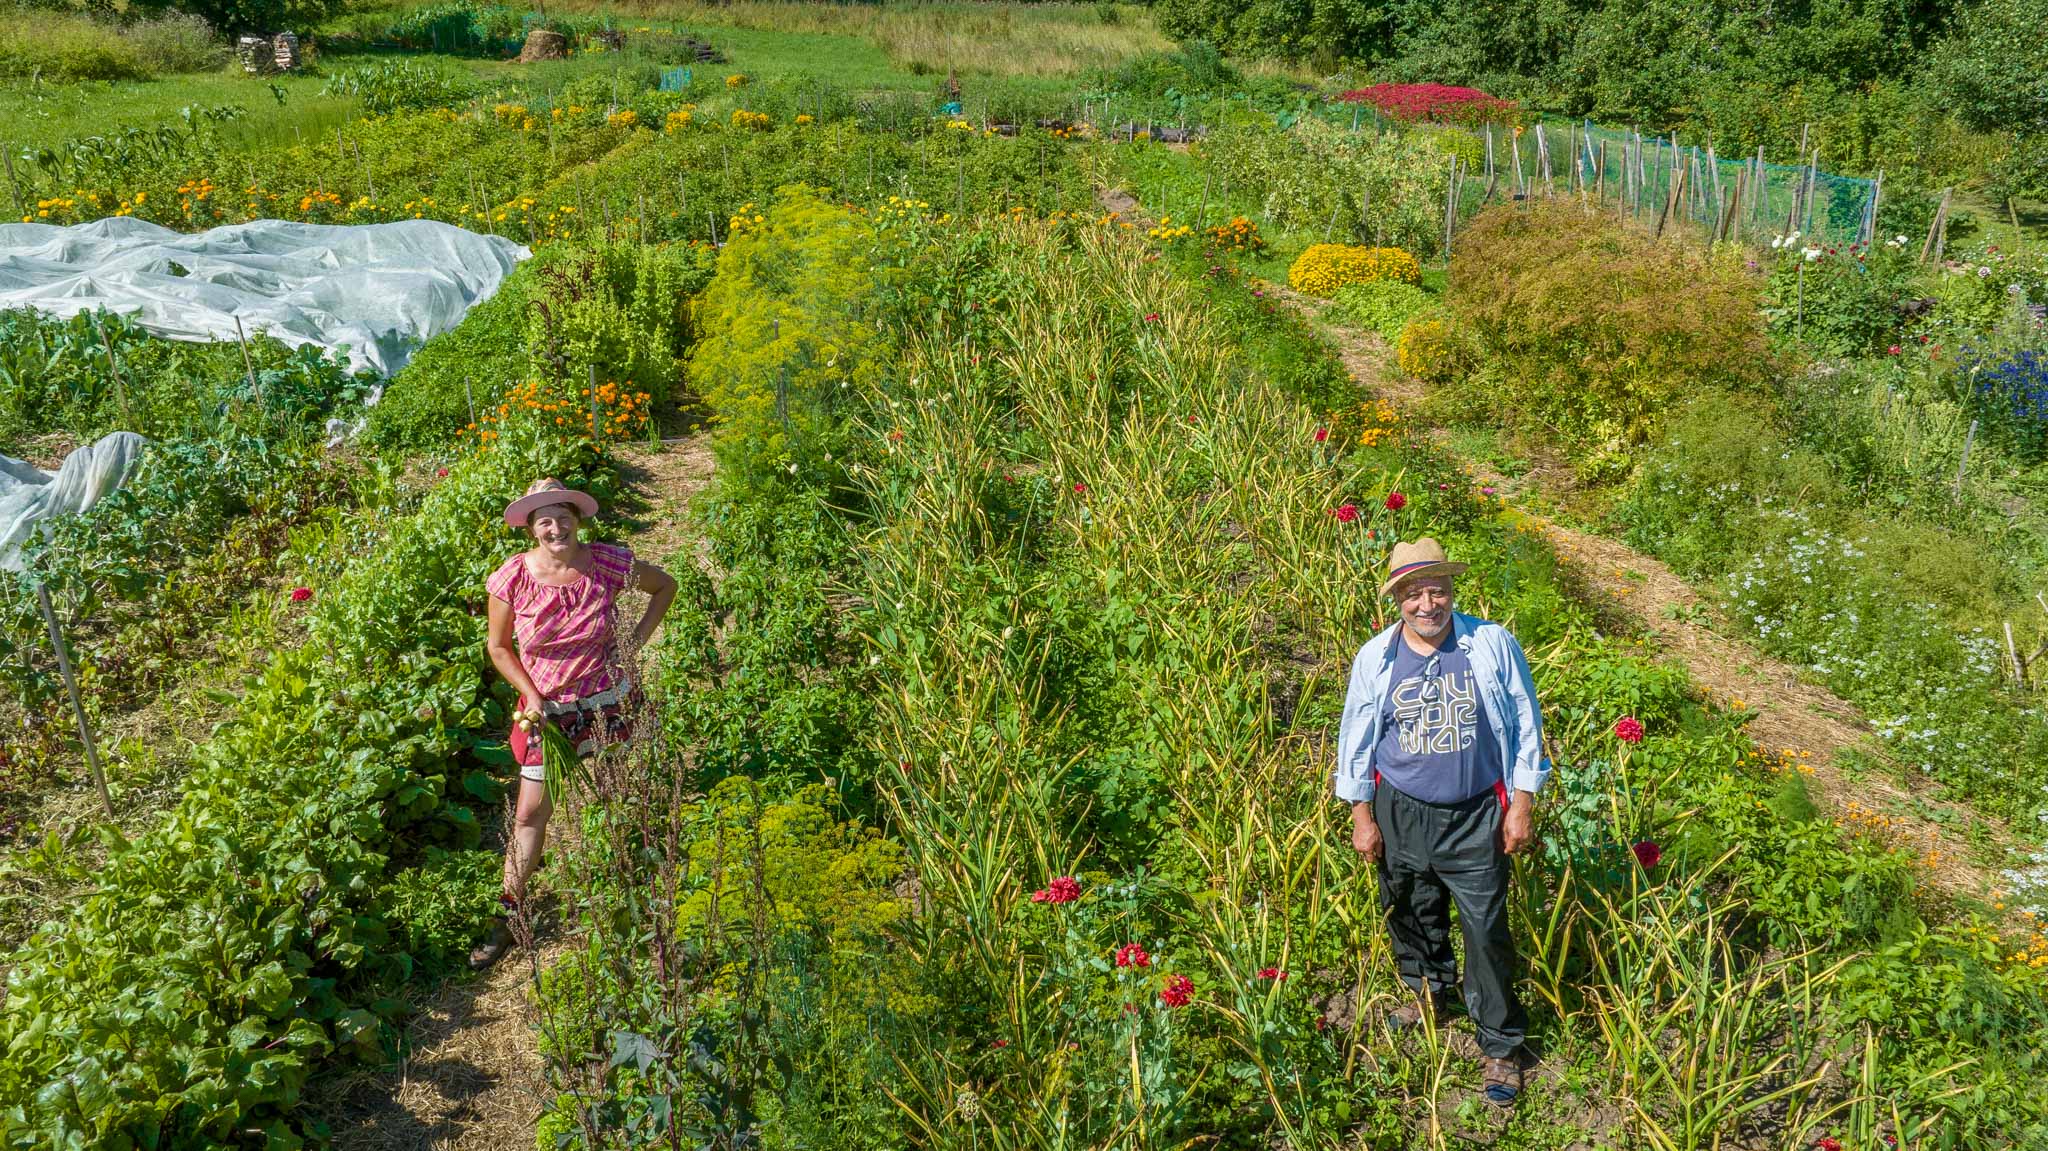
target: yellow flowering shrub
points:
(623, 118)
(736, 80)
(741, 118)
(1324, 268)
(1430, 351)
(677, 120)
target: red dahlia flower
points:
(1322, 435)
(1396, 501)
(301, 594)
(1345, 513)
(1065, 889)
(1133, 955)
(1178, 990)
(1648, 854)
(1271, 973)
(1628, 729)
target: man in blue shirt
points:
(1440, 754)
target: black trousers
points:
(1436, 855)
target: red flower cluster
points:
(1322, 435)
(1133, 955)
(1396, 501)
(1065, 889)
(1080, 489)
(1828, 1143)
(1345, 514)
(1648, 854)
(301, 594)
(1271, 973)
(1444, 102)
(1178, 990)
(1628, 729)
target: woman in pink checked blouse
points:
(553, 612)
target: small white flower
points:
(874, 661)
(1812, 254)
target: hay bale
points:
(542, 44)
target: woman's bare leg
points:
(529, 833)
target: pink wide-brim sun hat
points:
(545, 493)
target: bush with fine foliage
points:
(1383, 306)
(1595, 331)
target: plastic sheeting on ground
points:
(29, 494)
(380, 290)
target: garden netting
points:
(377, 291)
(29, 495)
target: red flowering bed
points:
(1442, 102)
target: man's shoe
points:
(1502, 1080)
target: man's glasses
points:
(1432, 679)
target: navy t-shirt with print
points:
(1435, 743)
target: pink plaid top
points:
(565, 633)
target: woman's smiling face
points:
(554, 528)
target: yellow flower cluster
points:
(1378, 419)
(1324, 268)
(1239, 235)
(803, 118)
(741, 118)
(960, 125)
(736, 80)
(747, 220)
(318, 199)
(677, 120)
(54, 204)
(1166, 231)
(1425, 351)
(510, 113)
(623, 118)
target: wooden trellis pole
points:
(92, 749)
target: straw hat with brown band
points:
(1423, 557)
(547, 493)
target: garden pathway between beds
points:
(469, 1074)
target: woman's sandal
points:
(500, 940)
(1502, 1079)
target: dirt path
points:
(469, 1074)
(1788, 716)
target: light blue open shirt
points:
(1507, 694)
